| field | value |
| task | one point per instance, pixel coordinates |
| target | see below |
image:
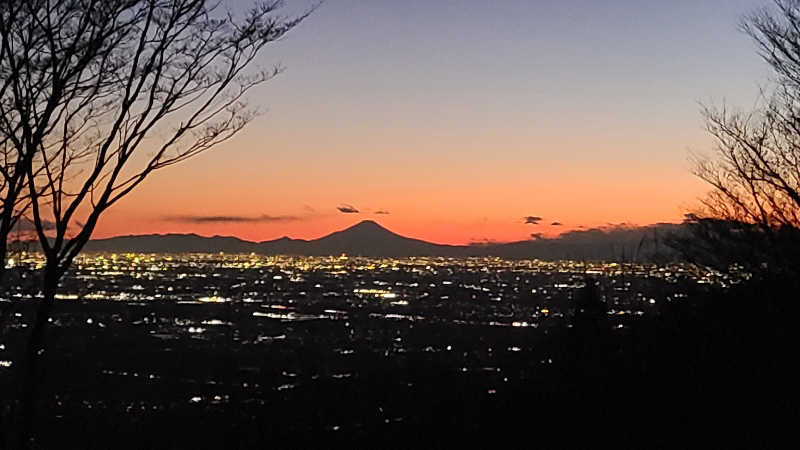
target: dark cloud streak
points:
(25, 224)
(231, 219)
(347, 209)
(532, 220)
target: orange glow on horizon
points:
(444, 217)
(452, 189)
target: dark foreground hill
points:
(368, 238)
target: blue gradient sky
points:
(461, 117)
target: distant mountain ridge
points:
(368, 238)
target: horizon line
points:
(605, 228)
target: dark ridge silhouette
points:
(173, 243)
(368, 238)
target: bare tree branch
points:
(95, 95)
(754, 171)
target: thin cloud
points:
(556, 224)
(482, 241)
(347, 209)
(532, 220)
(381, 211)
(25, 224)
(231, 219)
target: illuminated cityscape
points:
(197, 336)
(254, 301)
(357, 283)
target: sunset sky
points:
(461, 117)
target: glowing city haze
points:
(461, 118)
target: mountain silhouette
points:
(368, 238)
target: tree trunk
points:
(3, 250)
(30, 372)
(5, 232)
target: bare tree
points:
(98, 94)
(755, 169)
(13, 158)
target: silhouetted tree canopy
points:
(752, 214)
(95, 95)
